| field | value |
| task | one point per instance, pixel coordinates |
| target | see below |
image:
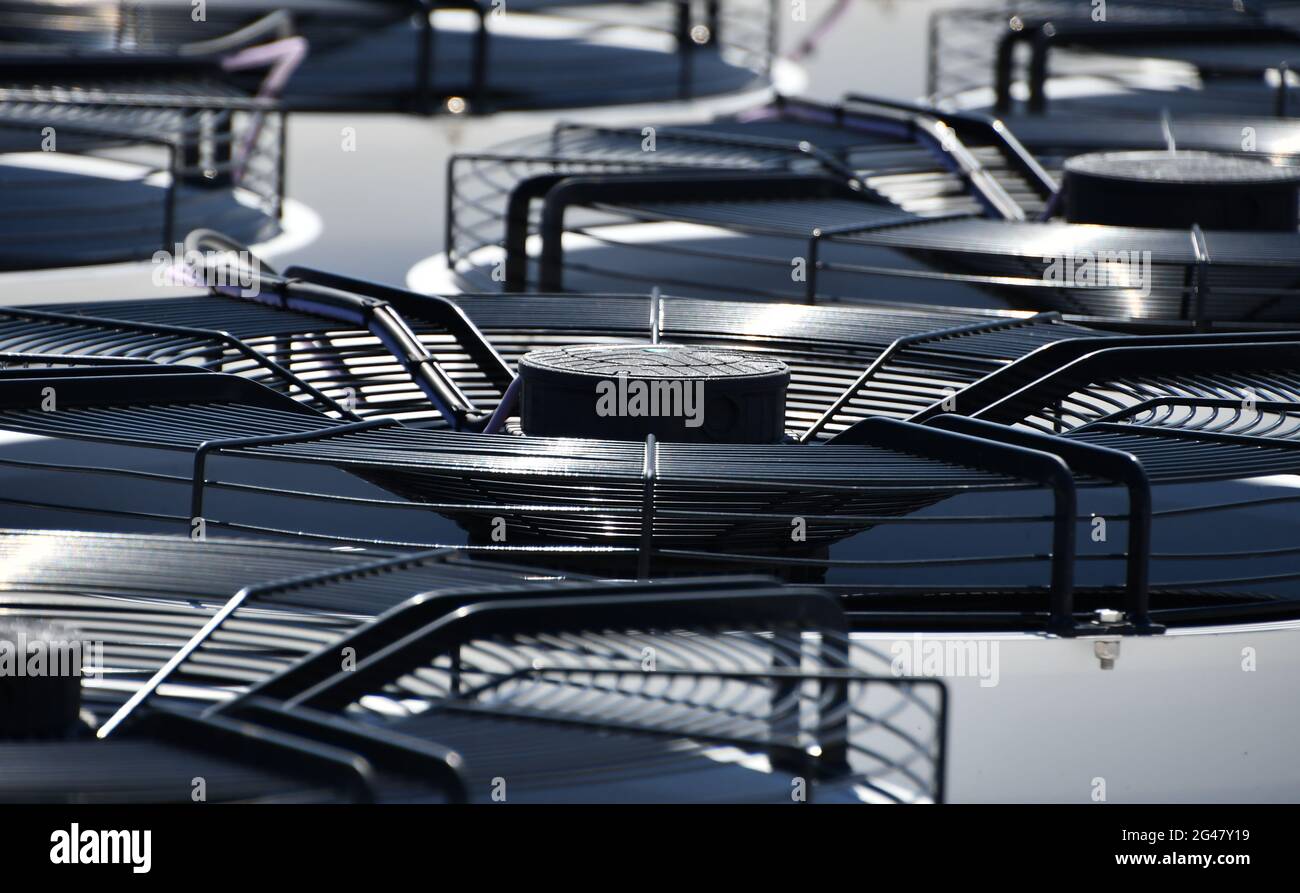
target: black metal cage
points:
(116, 173)
(850, 504)
(430, 56)
(223, 658)
(870, 200)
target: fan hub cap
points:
(1179, 189)
(674, 392)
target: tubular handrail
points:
(1102, 462)
(386, 749)
(944, 139)
(224, 338)
(902, 343)
(227, 610)
(273, 748)
(1023, 462)
(984, 126)
(693, 186)
(927, 127)
(1124, 359)
(434, 309)
(375, 314)
(656, 610)
(417, 612)
(1050, 359)
(1042, 36)
(577, 609)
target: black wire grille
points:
(846, 363)
(495, 200)
(1215, 59)
(649, 508)
(143, 613)
(739, 689)
(662, 509)
(866, 201)
(125, 31)
(482, 57)
(413, 55)
(567, 689)
(117, 172)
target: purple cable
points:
(820, 30)
(283, 56)
(504, 408)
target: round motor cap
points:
(1179, 189)
(678, 393)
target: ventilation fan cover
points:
(905, 204)
(1181, 189)
(673, 392)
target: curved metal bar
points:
(340, 302)
(696, 185)
(1103, 462)
(1025, 463)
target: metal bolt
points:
(1107, 651)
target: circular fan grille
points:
(867, 201)
(488, 673)
(119, 170)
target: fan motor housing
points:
(42, 697)
(678, 393)
(1179, 189)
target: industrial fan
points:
(218, 679)
(428, 56)
(1090, 70)
(112, 149)
(879, 201)
(531, 462)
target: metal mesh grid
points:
(100, 174)
(544, 683)
(901, 203)
(826, 349)
(411, 55)
(1210, 58)
(665, 508)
